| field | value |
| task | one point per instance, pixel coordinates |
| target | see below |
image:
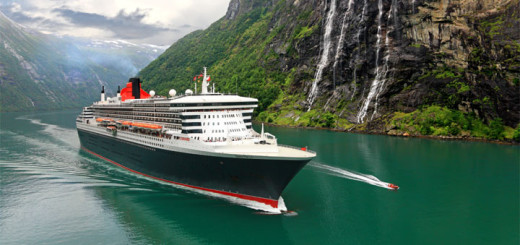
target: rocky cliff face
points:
(355, 63)
(381, 56)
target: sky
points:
(158, 22)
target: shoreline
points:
(444, 138)
(351, 130)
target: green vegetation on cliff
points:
(445, 82)
(441, 121)
(237, 53)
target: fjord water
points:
(451, 192)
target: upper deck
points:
(213, 122)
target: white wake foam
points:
(369, 179)
(66, 135)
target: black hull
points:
(261, 180)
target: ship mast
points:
(205, 83)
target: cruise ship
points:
(201, 141)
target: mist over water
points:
(51, 192)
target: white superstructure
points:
(205, 123)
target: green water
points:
(451, 193)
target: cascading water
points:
(339, 47)
(324, 55)
(392, 13)
(358, 38)
(379, 72)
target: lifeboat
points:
(394, 187)
(100, 119)
(146, 125)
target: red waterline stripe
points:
(270, 202)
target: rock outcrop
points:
(399, 55)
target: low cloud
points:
(123, 25)
(14, 11)
(159, 22)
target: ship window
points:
(191, 124)
(190, 116)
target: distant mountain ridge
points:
(41, 72)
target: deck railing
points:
(297, 148)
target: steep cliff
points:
(362, 65)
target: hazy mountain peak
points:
(43, 71)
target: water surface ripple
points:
(451, 192)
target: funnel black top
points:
(136, 87)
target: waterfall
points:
(391, 13)
(379, 79)
(363, 14)
(324, 55)
(339, 47)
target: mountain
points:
(418, 67)
(127, 58)
(40, 72)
